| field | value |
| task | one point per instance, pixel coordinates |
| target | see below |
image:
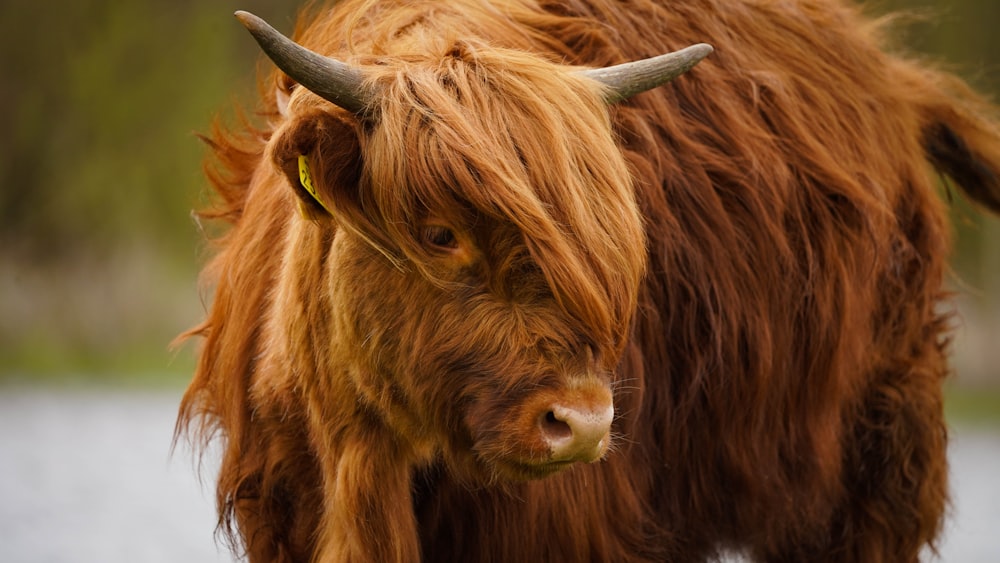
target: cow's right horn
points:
(328, 78)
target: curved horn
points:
(326, 77)
(628, 79)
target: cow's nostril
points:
(576, 435)
(555, 430)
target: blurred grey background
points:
(100, 104)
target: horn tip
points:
(699, 51)
(248, 20)
(705, 48)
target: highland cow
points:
(488, 295)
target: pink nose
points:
(577, 435)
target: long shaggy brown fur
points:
(750, 259)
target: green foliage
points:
(972, 405)
(105, 105)
(100, 169)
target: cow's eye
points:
(440, 237)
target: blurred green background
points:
(100, 104)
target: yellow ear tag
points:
(305, 178)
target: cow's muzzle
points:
(577, 432)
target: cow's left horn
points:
(328, 78)
(628, 79)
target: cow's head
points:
(487, 248)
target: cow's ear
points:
(320, 155)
